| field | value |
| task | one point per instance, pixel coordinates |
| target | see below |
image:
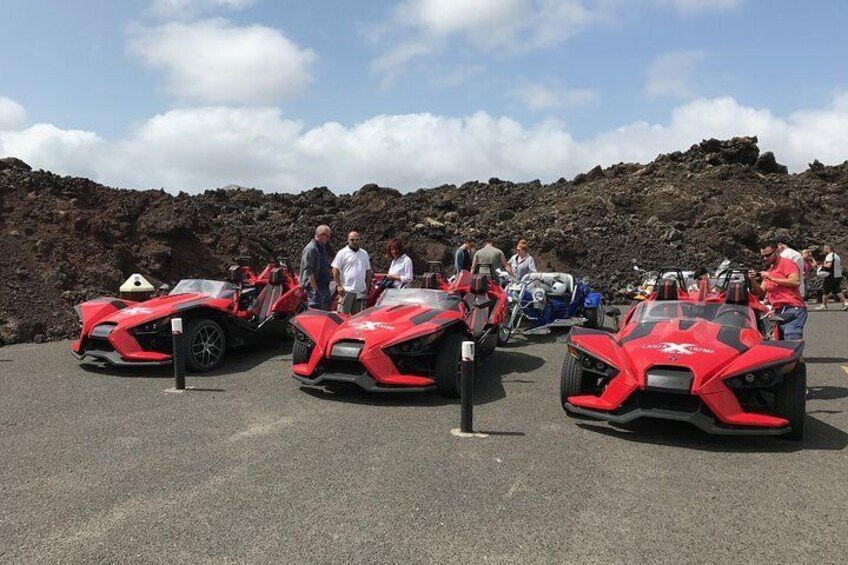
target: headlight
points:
(592, 364)
(539, 295)
(417, 346)
(763, 378)
(153, 327)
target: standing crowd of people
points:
(782, 283)
(351, 275)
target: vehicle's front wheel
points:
(791, 400)
(504, 333)
(300, 353)
(572, 381)
(448, 358)
(205, 345)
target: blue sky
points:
(285, 95)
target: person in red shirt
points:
(780, 285)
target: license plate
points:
(673, 381)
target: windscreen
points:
(213, 289)
(723, 314)
(420, 296)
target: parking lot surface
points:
(104, 465)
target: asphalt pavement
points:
(105, 465)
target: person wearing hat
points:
(522, 262)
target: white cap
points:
(136, 283)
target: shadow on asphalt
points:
(237, 361)
(488, 385)
(826, 360)
(827, 393)
(818, 436)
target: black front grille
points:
(344, 366)
(95, 344)
(665, 400)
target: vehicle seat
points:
(737, 293)
(667, 289)
(234, 275)
(270, 294)
(478, 294)
(431, 281)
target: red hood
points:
(703, 347)
(129, 314)
(386, 325)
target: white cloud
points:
(12, 114)
(195, 149)
(485, 25)
(212, 61)
(191, 8)
(672, 74)
(693, 7)
(62, 151)
(540, 97)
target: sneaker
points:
(845, 307)
(821, 307)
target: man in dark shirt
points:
(464, 254)
(315, 269)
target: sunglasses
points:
(353, 239)
(767, 255)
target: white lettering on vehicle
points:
(134, 311)
(370, 326)
(678, 348)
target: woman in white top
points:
(400, 271)
(522, 262)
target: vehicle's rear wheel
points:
(594, 317)
(791, 400)
(205, 345)
(572, 381)
(448, 358)
(300, 353)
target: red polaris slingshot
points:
(410, 340)
(701, 357)
(217, 315)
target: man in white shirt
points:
(352, 275)
(787, 252)
(833, 282)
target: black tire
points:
(300, 353)
(573, 382)
(594, 317)
(205, 345)
(791, 400)
(504, 333)
(448, 358)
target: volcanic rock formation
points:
(67, 239)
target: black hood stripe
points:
(642, 330)
(424, 316)
(729, 336)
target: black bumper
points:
(113, 358)
(703, 421)
(363, 381)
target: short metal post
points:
(466, 388)
(179, 353)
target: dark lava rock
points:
(767, 163)
(69, 239)
(13, 163)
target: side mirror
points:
(613, 311)
(164, 288)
